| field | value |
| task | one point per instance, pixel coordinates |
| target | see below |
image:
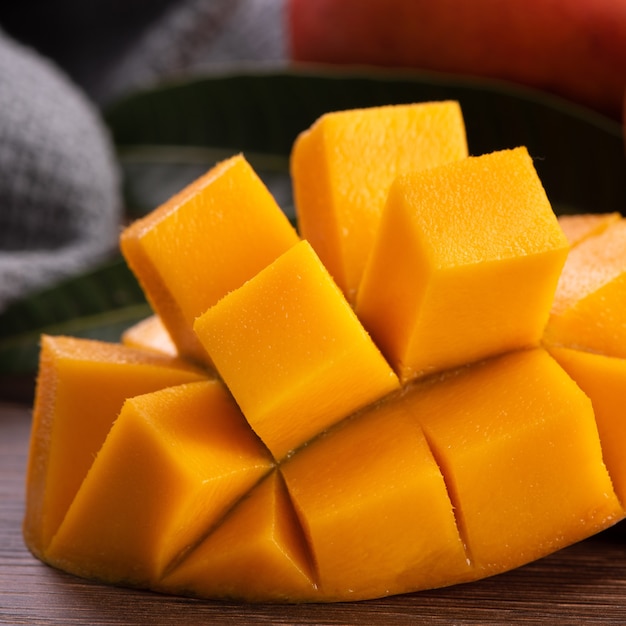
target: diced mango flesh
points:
(82, 386)
(180, 274)
(603, 379)
(578, 227)
(150, 334)
(323, 477)
(479, 286)
(517, 442)
(173, 464)
(292, 351)
(342, 168)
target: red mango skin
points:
(575, 49)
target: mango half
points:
(271, 435)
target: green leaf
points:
(99, 305)
(579, 154)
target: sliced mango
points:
(81, 387)
(376, 509)
(181, 275)
(173, 464)
(603, 379)
(305, 459)
(150, 334)
(578, 227)
(292, 351)
(481, 249)
(518, 446)
(343, 166)
(261, 540)
(588, 308)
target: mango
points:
(264, 438)
(603, 379)
(179, 272)
(172, 464)
(292, 351)
(554, 46)
(149, 334)
(578, 227)
(81, 387)
(342, 168)
(489, 292)
(587, 312)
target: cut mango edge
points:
(278, 535)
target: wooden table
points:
(584, 584)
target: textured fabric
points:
(200, 36)
(60, 199)
(59, 191)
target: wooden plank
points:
(585, 583)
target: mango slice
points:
(603, 379)
(481, 249)
(588, 308)
(172, 465)
(292, 351)
(376, 509)
(150, 334)
(252, 440)
(342, 168)
(181, 275)
(579, 227)
(518, 444)
(261, 540)
(82, 385)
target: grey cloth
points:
(60, 198)
(199, 36)
(60, 206)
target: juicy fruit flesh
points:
(302, 470)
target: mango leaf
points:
(579, 154)
(100, 304)
(168, 135)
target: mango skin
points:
(554, 46)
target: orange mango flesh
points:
(488, 293)
(261, 540)
(579, 227)
(588, 308)
(303, 469)
(518, 444)
(342, 168)
(603, 379)
(173, 463)
(81, 388)
(292, 351)
(180, 274)
(376, 509)
(150, 334)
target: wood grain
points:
(584, 584)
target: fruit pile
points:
(389, 398)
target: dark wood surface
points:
(584, 584)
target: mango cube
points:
(588, 308)
(465, 266)
(376, 508)
(73, 415)
(518, 444)
(342, 168)
(260, 540)
(292, 351)
(578, 227)
(603, 379)
(172, 465)
(181, 275)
